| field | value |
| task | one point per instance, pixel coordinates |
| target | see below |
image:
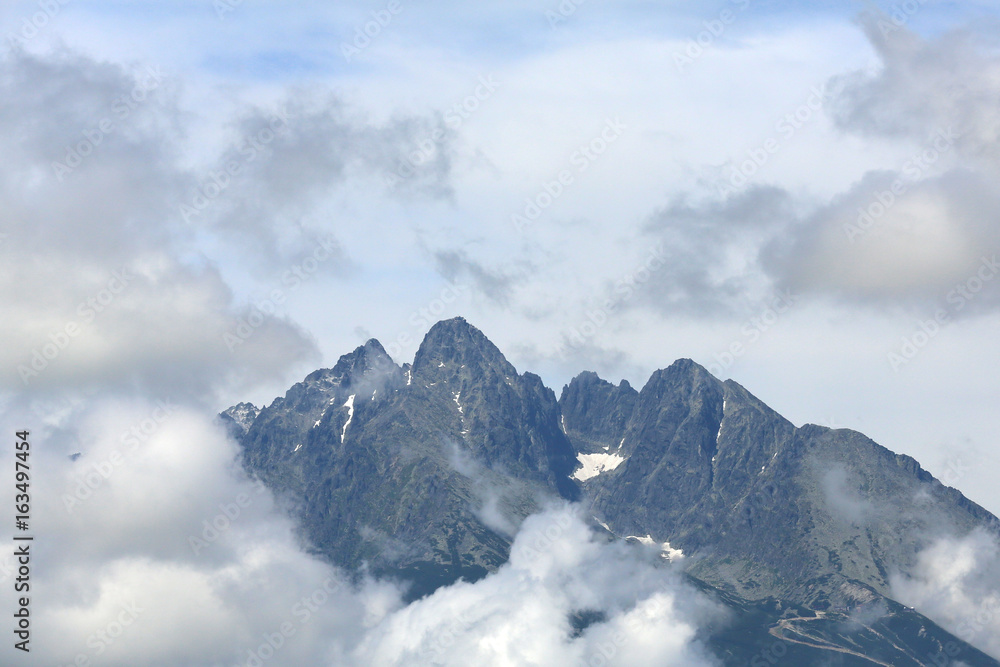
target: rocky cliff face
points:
(425, 471)
(420, 471)
(766, 510)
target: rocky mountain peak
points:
(457, 343)
(239, 417)
(424, 473)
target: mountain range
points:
(423, 472)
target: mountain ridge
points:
(424, 471)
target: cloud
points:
(709, 264)
(922, 234)
(121, 235)
(288, 161)
(956, 583)
(456, 266)
(101, 286)
(893, 241)
(923, 86)
(521, 614)
(840, 492)
(179, 559)
(500, 502)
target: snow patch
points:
(603, 525)
(373, 394)
(720, 422)
(562, 422)
(350, 415)
(457, 396)
(409, 377)
(298, 446)
(316, 423)
(441, 365)
(667, 552)
(595, 464)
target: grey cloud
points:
(709, 251)
(923, 86)
(921, 236)
(757, 206)
(97, 274)
(90, 157)
(164, 331)
(292, 158)
(893, 241)
(497, 285)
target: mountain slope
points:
(772, 511)
(425, 471)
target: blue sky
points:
(746, 164)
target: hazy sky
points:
(203, 201)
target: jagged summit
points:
(456, 342)
(239, 417)
(425, 471)
(364, 360)
(595, 412)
